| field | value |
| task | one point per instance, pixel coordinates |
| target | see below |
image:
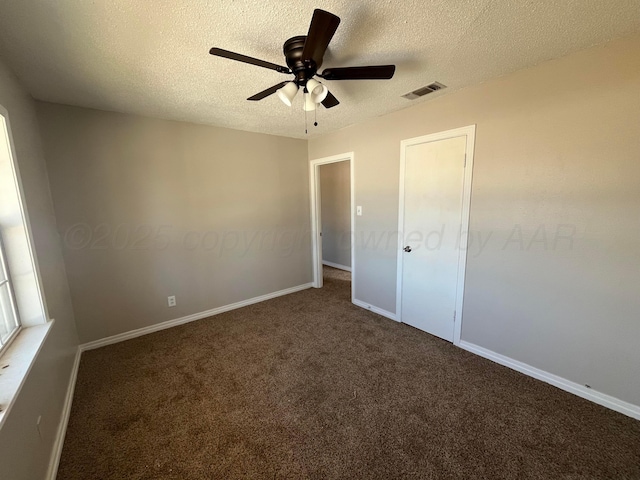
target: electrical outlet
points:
(171, 301)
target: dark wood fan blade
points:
(374, 72)
(219, 52)
(321, 31)
(330, 101)
(268, 91)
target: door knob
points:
(407, 248)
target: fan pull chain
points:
(305, 122)
(315, 117)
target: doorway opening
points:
(332, 239)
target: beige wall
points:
(22, 451)
(335, 210)
(557, 149)
(150, 208)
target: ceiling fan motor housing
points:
(293, 53)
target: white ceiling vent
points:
(432, 87)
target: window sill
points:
(16, 362)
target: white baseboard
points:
(603, 399)
(121, 337)
(600, 398)
(66, 409)
(374, 309)
(64, 420)
(336, 265)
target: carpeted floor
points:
(310, 386)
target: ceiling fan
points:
(303, 55)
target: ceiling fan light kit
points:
(303, 56)
(288, 93)
(317, 90)
(309, 105)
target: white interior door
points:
(434, 177)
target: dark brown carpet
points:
(310, 386)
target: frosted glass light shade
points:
(317, 90)
(309, 104)
(288, 93)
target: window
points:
(24, 324)
(21, 303)
(9, 322)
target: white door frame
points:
(316, 220)
(470, 133)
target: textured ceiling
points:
(150, 57)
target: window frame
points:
(32, 297)
(4, 266)
(20, 351)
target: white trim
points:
(20, 356)
(464, 229)
(374, 309)
(600, 398)
(336, 265)
(571, 387)
(43, 320)
(316, 215)
(469, 132)
(121, 337)
(54, 462)
(66, 409)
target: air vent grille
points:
(422, 91)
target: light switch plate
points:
(359, 210)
